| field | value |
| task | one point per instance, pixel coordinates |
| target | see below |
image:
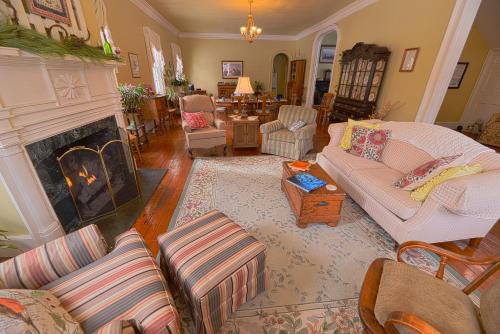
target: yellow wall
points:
(126, 22)
(399, 24)
(10, 219)
(280, 66)
(474, 53)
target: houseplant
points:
(133, 97)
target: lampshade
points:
(244, 86)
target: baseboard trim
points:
(23, 242)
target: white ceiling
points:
(275, 17)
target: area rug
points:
(125, 217)
(315, 273)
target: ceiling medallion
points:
(250, 31)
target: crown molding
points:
(215, 35)
(155, 15)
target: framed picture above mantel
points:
(232, 69)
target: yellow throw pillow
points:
(345, 143)
(421, 193)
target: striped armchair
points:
(278, 140)
(98, 289)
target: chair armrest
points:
(475, 195)
(336, 132)
(411, 321)
(220, 124)
(186, 127)
(271, 126)
(55, 259)
(305, 132)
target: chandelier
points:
(250, 31)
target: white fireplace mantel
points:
(39, 98)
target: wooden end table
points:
(245, 132)
(318, 206)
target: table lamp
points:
(244, 87)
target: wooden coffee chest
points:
(317, 206)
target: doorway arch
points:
(279, 73)
(311, 83)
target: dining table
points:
(252, 104)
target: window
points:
(156, 60)
(179, 66)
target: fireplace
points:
(87, 172)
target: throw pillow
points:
(296, 125)
(34, 311)
(368, 143)
(421, 174)
(421, 193)
(196, 120)
(345, 143)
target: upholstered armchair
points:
(399, 298)
(214, 135)
(278, 140)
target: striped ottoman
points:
(216, 265)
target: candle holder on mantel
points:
(244, 88)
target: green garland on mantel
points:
(16, 36)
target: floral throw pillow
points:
(423, 173)
(196, 120)
(368, 143)
(34, 311)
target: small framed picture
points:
(409, 60)
(56, 10)
(458, 75)
(327, 54)
(232, 69)
(134, 65)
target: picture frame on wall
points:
(56, 10)
(409, 60)
(458, 75)
(327, 54)
(232, 69)
(135, 69)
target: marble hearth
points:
(43, 98)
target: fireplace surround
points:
(42, 98)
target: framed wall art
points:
(232, 69)
(134, 65)
(409, 60)
(458, 75)
(327, 54)
(56, 10)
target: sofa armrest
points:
(271, 126)
(305, 132)
(55, 259)
(336, 132)
(220, 124)
(475, 195)
(186, 127)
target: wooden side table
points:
(245, 132)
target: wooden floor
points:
(167, 149)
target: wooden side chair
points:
(263, 112)
(324, 108)
(399, 298)
(134, 145)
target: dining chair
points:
(263, 112)
(324, 108)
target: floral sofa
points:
(101, 291)
(462, 208)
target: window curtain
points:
(156, 59)
(177, 56)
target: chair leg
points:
(190, 151)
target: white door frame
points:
(286, 53)
(313, 69)
(459, 26)
(471, 106)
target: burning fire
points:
(84, 173)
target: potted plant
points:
(173, 82)
(133, 97)
(259, 87)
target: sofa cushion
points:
(408, 289)
(195, 103)
(207, 133)
(347, 162)
(377, 182)
(120, 327)
(345, 142)
(125, 284)
(488, 161)
(368, 143)
(490, 300)
(283, 135)
(34, 311)
(403, 156)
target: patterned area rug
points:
(315, 273)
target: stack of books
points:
(299, 166)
